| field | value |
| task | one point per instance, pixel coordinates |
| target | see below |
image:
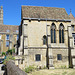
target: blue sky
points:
(12, 8)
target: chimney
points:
(1, 15)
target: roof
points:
(44, 12)
(72, 18)
(11, 28)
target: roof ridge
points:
(41, 6)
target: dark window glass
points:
(59, 57)
(54, 36)
(51, 36)
(59, 36)
(74, 37)
(7, 37)
(38, 57)
(72, 27)
(53, 33)
(61, 33)
(62, 36)
(44, 40)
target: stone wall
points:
(12, 69)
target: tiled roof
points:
(11, 28)
(72, 18)
(44, 12)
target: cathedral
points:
(46, 37)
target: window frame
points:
(38, 57)
(61, 33)
(7, 38)
(7, 44)
(73, 34)
(44, 40)
(53, 33)
(59, 57)
(72, 27)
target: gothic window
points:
(72, 27)
(7, 37)
(59, 57)
(61, 33)
(53, 33)
(44, 40)
(74, 37)
(38, 57)
(7, 43)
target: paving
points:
(1, 71)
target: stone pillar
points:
(50, 56)
(10, 41)
(70, 36)
(70, 45)
(25, 39)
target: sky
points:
(12, 8)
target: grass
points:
(54, 72)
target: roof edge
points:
(45, 19)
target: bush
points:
(29, 69)
(3, 53)
(63, 67)
(10, 57)
(9, 51)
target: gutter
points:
(44, 19)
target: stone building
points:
(8, 34)
(45, 37)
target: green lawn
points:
(54, 72)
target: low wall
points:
(12, 69)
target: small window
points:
(44, 40)
(0, 36)
(7, 37)
(7, 43)
(38, 57)
(16, 31)
(59, 57)
(7, 30)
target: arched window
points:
(53, 33)
(44, 40)
(61, 33)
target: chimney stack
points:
(1, 15)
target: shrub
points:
(29, 69)
(10, 57)
(3, 53)
(63, 67)
(9, 51)
(13, 50)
